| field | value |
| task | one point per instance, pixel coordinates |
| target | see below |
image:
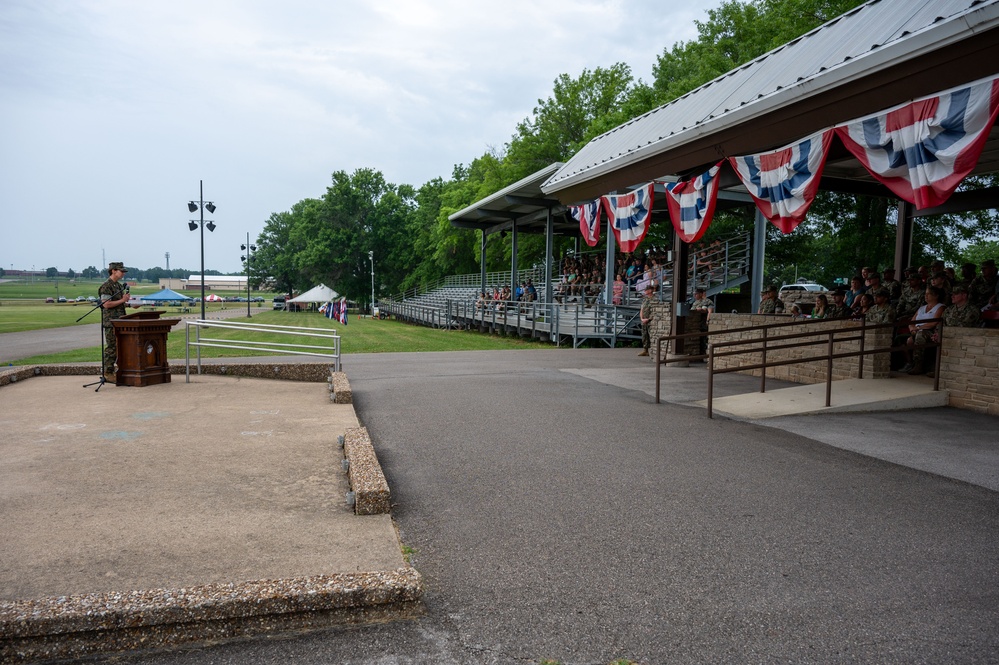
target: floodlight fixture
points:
(192, 225)
(192, 206)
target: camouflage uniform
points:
(110, 290)
(881, 314)
(961, 316)
(894, 289)
(981, 290)
(834, 311)
(911, 300)
(771, 306)
(705, 305)
(646, 313)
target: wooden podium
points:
(142, 353)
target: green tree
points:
(560, 125)
(51, 272)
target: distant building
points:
(212, 283)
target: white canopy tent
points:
(320, 293)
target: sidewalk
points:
(211, 498)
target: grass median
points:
(363, 335)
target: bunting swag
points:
(629, 215)
(692, 204)
(922, 151)
(588, 216)
(784, 182)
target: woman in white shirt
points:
(922, 328)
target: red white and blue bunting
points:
(784, 182)
(629, 215)
(692, 203)
(588, 216)
(922, 150)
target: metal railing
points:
(767, 343)
(332, 351)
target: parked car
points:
(81, 299)
(50, 300)
(62, 298)
(279, 302)
(257, 299)
(803, 286)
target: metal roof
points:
(523, 202)
(871, 58)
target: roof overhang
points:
(934, 45)
(522, 203)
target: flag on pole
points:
(629, 215)
(922, 150)
(588, 216)
(343, 311)
(692, 204)
(784, 182)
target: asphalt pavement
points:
(556, 515)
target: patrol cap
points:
(989, 263)
(117, 265)
(839, 292)
(882, 293)
(959, 288)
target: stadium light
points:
(201, 204)
(249, 249)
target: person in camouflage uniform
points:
(645, 314)
(881, 311)
(113, 296)
(894, 286)
(838, 308)
(983, 288)
(770, 304)
(961, 313)
(912, 295)
(702, 303)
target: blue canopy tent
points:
(166, 295)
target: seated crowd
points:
(930, 296)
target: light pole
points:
(193, 206)
(248, 248)
(371, 255)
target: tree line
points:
(404, 229)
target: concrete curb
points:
(340, 392)
(310, 372)
(367, 482)
(73, 626)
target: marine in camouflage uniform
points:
(912, 297)
(881, 311)
(983, 287)
(113, 297)
(770, 304)
(702, 303)
(645, 314)
(961, 314)
(837, 309)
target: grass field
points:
(358, 336)
(23, 306)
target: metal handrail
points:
(253, 345)
(765, 342)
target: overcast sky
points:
(112, 111)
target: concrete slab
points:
(223, 479)
(851, 395)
